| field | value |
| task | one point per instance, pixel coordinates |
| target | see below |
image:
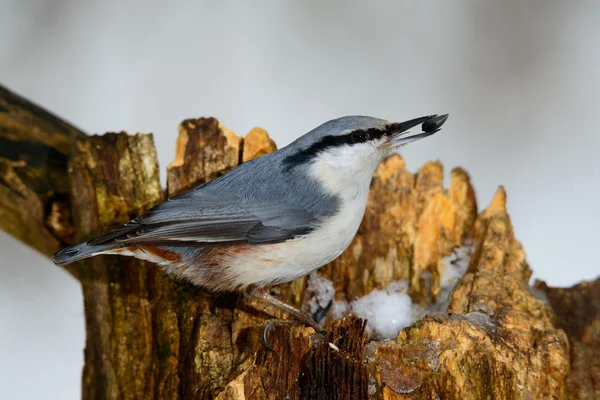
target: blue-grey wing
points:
(206, 218)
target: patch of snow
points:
(387, 311)
(456, 264)
(455, 267)
(390, 310)
(320, 293)
(339, 309)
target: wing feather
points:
(212, 220)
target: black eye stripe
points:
(354, 137)
(365, 135)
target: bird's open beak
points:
(399, 134)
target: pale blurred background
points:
(519, 79)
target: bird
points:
(270, 220)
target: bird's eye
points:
(360, 136)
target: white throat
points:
(346, 171)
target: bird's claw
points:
(268, 328)
(271, 325)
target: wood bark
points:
(34, 187)
(151, 336)
(578, 313)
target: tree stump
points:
(150, 336)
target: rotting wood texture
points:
(578, 312)
(34, 151)
(150, 336)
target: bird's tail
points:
(76, 252)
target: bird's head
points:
(353, 144)
(345, 152)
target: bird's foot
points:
(298, 314)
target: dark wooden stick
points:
(35, 147)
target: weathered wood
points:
(114, 178)
(578, 312)
(497, 341)
(257, 143)
(34, 151)
(205, 150)
(150, 336)
(305, 365)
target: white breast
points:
(287, 261)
